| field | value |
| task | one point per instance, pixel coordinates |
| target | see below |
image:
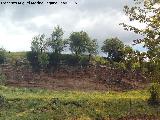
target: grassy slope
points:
(28, 104)
(16, 54)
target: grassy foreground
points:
(40, 104)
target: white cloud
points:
(14, 38)
(18, 24)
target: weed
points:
(154, 94)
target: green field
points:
(41, 104)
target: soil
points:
(82, 84)
(98, 78)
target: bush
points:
(2, 101)
(70, 60)
(100, 60)
(154, 94)
(2, 79)
(120, 65)
(32, 57)
(54, 59)
(84, 61)
(43, 59)
(2, 55)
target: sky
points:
(99, 18)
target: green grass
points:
(41, 104)
(16, 54)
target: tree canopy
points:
(39, 43)
(56, 41)
(147, 12)
(113, 47)
(81, 43)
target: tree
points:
(39, 43)
(81, 43)
(38, 56)
(56, 41)
(129, 57)
(147, 12)
(32, 57)
(2, 55)
(113, 47)
(57, 44)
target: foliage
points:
(2, 101)
(84, 61)
(54, 59)
(136, 66)
(147, 13)
(2, 79)
(92, 47)
(32, 57)
(38, 56)
(100, 60)
(12, 57)
(70, 60)
(39, 44)
(113, 47)
(154, 94)
(56, 44)
(2, 55)
(43, 104)
(81, 43)
(129, 57)
(43, 60)
(120, 65)
(56, 41)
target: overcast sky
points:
(99, 18)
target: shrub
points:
(120, 65)
(84, 61)
(100, 60)
(2, 79)
(2, 55)
(154, 94)
(54, 59)
(32, 57)
(2, 101)
(70, 60)
(43, 59)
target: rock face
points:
(96, 74)
(16, 72)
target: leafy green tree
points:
(113, 47)
(43, 59)
(38, 56)
(32, 57)
(56, 41)
(92, 48)
(39, 43)
(130, 57)
(2, 55)
(81, 43)
(70, 59)
(147, 12)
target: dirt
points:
(82, 84)
(62, 84)
(71, 78)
